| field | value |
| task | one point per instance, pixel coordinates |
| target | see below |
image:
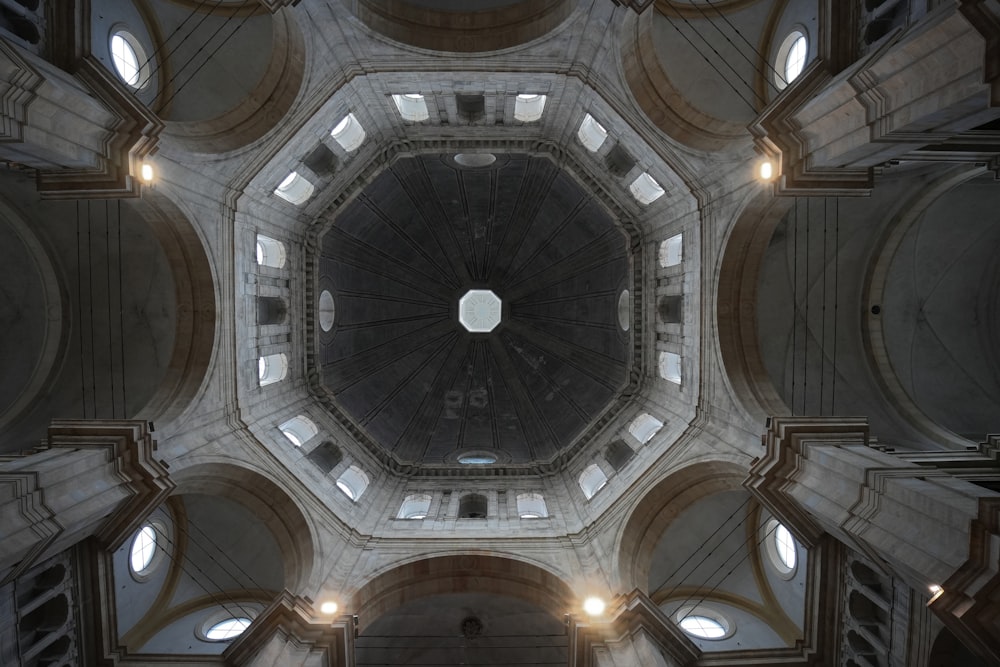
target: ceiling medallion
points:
(479, 311)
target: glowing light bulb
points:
(593, 606)
(146, 172)
(765, 170)
(329, 608)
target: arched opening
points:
(473, 506)
(271, 310)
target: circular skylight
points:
(703, 627)
(479, 311)
(784, 545)
(795, 60)
(475, 159)
(326, 310)
(227, 629)
(143, 549)
(477, 459)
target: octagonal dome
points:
(400, 258)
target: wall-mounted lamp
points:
(146, 173)
(593, 606)
(329, 607)
(766, 170)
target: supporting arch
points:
(194, 339)
(652, 515)
(269, 502)
(460, 574)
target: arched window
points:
(670, 367)
(353, 482)
(412, 107)
(348, 133)
(591, 134)
(272, 368)
(299, 429)
(644, 427)
(472, 506)
(531, 506)
(671, 251)
(645, 189)
(592, 480)
(129, 59)
(327, 310)
(415, 507)
(270, 252)
(295, 189)
(528, 108)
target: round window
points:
(704, 623)
(227, 629)
(781, 548)
(143, 549)
(327, 310)
(791, 58)
(129, 59)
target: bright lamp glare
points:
(593, 606)
(146, 172)
(328, 608)
(766, 170)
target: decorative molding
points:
(289, 619)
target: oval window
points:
(227, 629)
(143, 549)
(129, 59)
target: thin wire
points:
(721, 581)
(795, 295)
(158, 67)
(712, 65)
(752, 63)
(121, 316)
(707, 540)
(805, 329)
(767, 62)
(223, 552)
(79, 306)
(822, 346)
(93, 340)
(204, 62)
(836, 300)
(107, 281)
(163, 43)
(180, 564)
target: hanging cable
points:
(157, 66)
(160, 532)
(753, 64)
(767, 533)
(79, 307)
(703, 544)
(121, 316)
(221, 551)
(805, 329)
(836, 299)
(767, 62)
(795, 295)
(712, 65)
(204, 62)
(107, 282)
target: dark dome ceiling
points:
(399, 258)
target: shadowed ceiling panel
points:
(403, 253)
